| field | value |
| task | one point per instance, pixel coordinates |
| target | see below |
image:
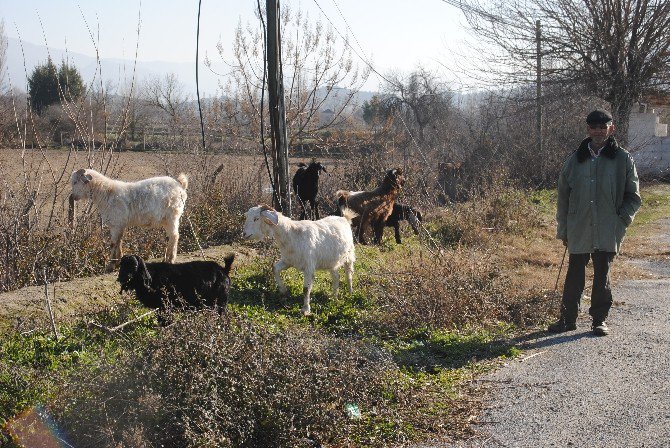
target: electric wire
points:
(346, 41)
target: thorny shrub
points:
(29, 248)
(501, 210)
(454, 291)
(226, 381)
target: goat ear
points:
(143, 271)
(270, 217)
(81, 174)
(323, 168)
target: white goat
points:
(325, 244)
(155, 202)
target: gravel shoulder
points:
(575, 389)
(24, 308)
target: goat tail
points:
(183, 180)
(348, 214)
(228, 261)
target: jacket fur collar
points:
(610, 149)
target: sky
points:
(394, 35)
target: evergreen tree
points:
(71, 82)
(48, 85)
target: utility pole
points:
(277, 111)
(538, 39)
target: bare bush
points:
(208, 379)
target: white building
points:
(649, 143)
(644, 127)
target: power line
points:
(392, 83)
(346, 41)
(348, 27)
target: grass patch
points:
(401, 349)
(655, 205)
(35, 366)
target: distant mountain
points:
(120, 71)
(22, 58)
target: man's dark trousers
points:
(601, 295)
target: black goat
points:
(195, 284)
(306, 187)
(401, 212)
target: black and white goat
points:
(403, 212)
(194, 284)
(306, 187)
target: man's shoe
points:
(561, 326)
(600, 329)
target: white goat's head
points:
(80, 187)
(257, 221)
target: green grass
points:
(432, 362)
(545, 202)
(655, 205)
(34, 365)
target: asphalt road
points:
(579, 390)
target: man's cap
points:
(598, 116)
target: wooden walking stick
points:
(560, 268)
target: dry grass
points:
(422, 322)
(244, 385)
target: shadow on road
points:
(543, 339)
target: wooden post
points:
(538, 38)
(277, 110)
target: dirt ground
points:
(25, 308)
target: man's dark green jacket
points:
(597, 198)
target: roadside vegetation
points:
(386, 364)
(389, 364)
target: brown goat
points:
(373, 207)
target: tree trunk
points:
(621, 108)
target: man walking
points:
(598, 196)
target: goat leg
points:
(336, 281)
(378, 228)
(115, 249)
(172, 229)
(349, 272)
(277, 268)
(396, 227)
(307, 289)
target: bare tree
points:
(616, 50)
(319, 73)
(6, 114)
(167, 96)
(424, 100)
(3, 56)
